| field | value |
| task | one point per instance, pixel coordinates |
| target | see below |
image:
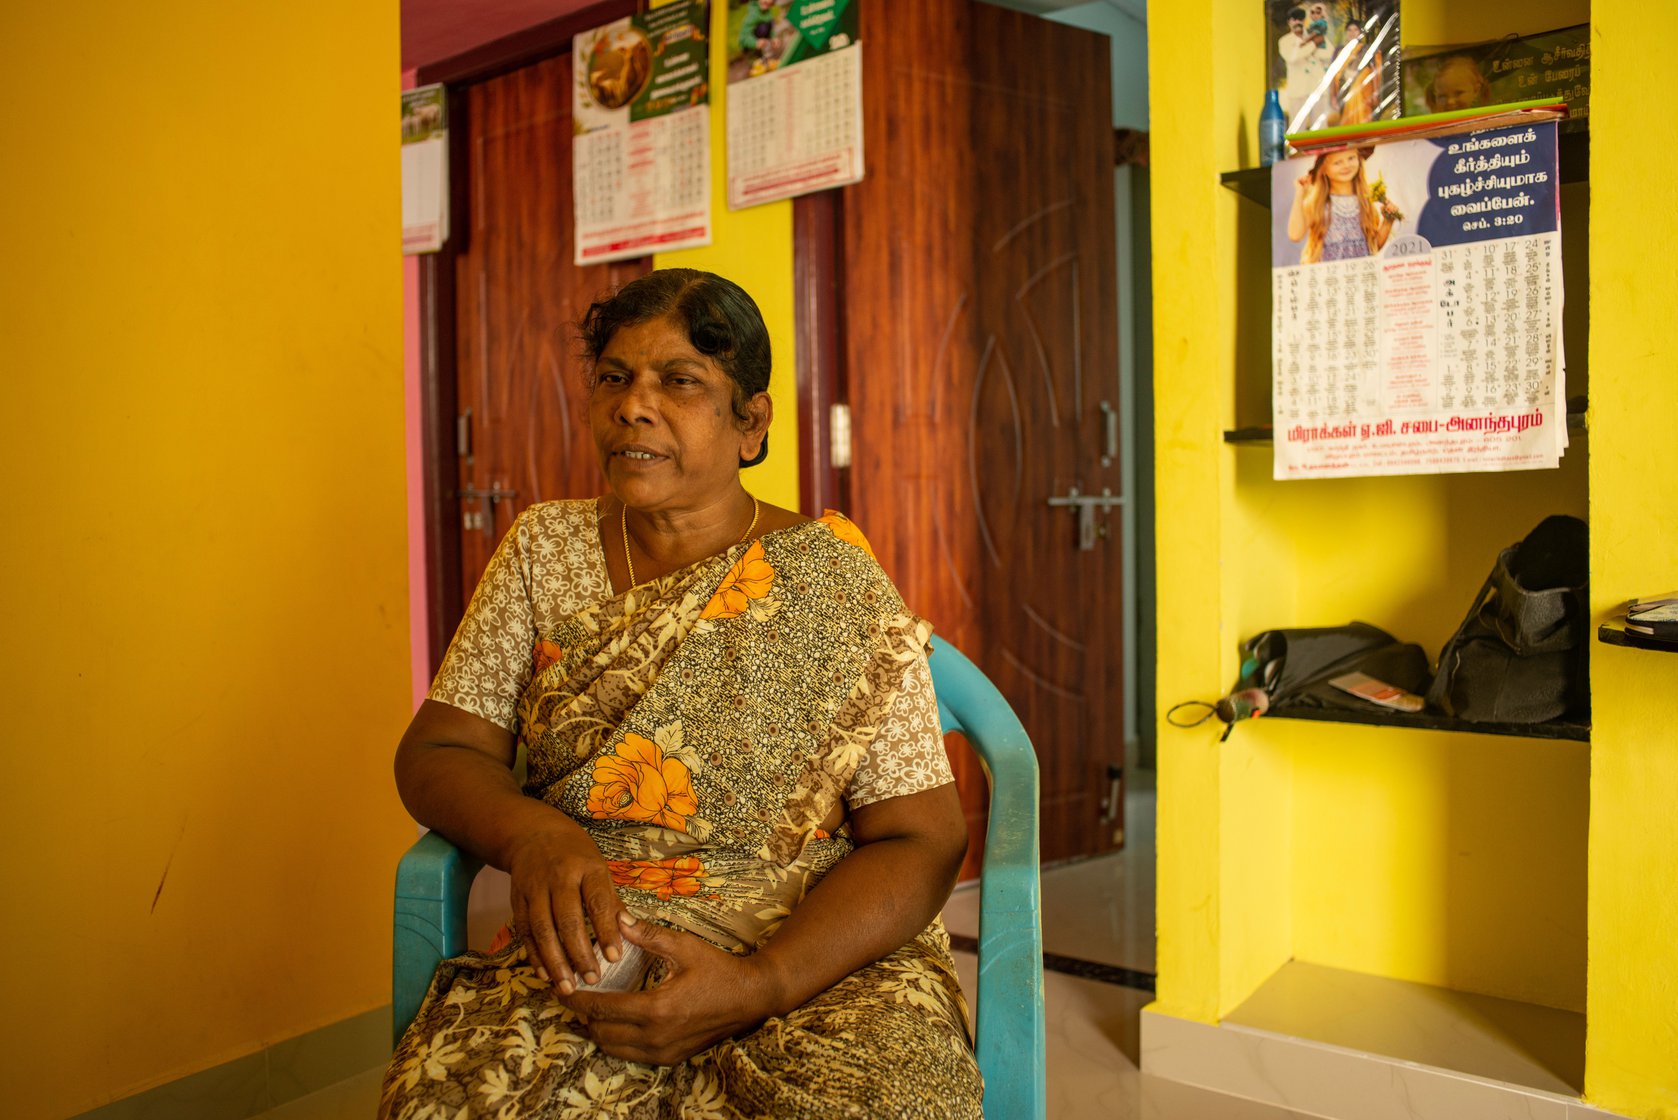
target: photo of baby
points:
(1549, 64)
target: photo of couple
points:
(1333, 61)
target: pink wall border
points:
(419, 652)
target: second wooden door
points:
(521, 432)
(980, 347)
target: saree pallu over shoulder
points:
(704, 725)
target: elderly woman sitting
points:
(735, 776)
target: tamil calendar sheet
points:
(1417, 300)
(794, 104)
(641, 153)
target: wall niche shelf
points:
(1428, 721)
(1573, 154)
(1611, 635)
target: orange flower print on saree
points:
(679, 875)
(641, 782)
(845, 529)
(749, 579)
(547, 653)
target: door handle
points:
(1110, 434)
(463, 435)
(1085, 505)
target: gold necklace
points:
(623, 524)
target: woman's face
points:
(1342, 167)
(663, 420)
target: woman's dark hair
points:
(721, 320)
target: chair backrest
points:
(434, 879)
(1010, 1043)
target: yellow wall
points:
(1402, 854)
(205, 609)
(753, 247)
(1192, 291)
(1632, 1040)
(1458, 860)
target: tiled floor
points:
(1100, 910)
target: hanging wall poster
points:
(425, 169)
(794, 104)
(641, 156)
(1417, 298)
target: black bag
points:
(1293, 667)
(1522, 654)
(1289, 670)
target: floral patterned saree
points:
(703, 727)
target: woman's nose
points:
(635, 405)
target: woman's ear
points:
(755, 426)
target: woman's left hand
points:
(706, 995)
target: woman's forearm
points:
(873, 902)
(472, 799)
(454, 771)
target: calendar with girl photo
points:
(1416, 306)
(1333, 62)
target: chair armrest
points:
(433, 881)
(1010, 1026)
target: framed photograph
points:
(1333, 62)
(1515, 68)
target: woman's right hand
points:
(560, 886)
(454, 770)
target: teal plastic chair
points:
(434, 878)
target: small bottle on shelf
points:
(1272, 127)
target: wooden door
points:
(979, 253)
(522, 432)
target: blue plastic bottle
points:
(1272, 126)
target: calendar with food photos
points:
(641, 153)
(1417, 300)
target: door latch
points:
(1110, 805)
(1084, 506)
(483, 517)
